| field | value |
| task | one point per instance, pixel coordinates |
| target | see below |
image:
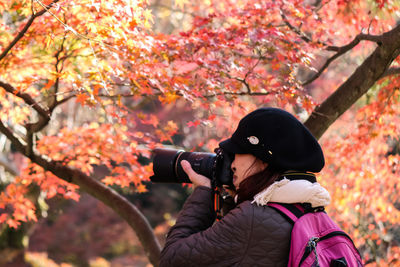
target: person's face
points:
(245, 165)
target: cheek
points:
(248, 170)
(242, 173)
(258, 168)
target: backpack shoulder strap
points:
(292, 212)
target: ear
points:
(263, 165)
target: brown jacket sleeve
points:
(241, 238)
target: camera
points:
(215, 166)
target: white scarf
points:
(294, 191)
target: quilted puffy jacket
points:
(249, 235)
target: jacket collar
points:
(294, 191)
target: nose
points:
(233, 168)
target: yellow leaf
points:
(148, 17)
(180, 3)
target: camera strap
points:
(217, 198)
(217, 202)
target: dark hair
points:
(257, 182)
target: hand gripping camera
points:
(167, 166)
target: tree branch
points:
(339, 50)
(59, 102)
(363, 78)
(25, 29)
(360, 37)
(238, 94)
(179, 94)
(261, 57)
(14, 140)
(31, 128)
(302, 35)
(118, 203)
(248, 73)
(59, 70)
(27, 99)
(391, 71)
(111, 198)
(343, 50)
(115, 201)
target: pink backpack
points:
(316, 240)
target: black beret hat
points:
(275, 136)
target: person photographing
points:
(274, 161)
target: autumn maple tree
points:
(100, 83)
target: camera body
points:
(215, 166)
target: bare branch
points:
(343, 50)
(391, 71)
(238, 94)
(360, 37)
(302, 35)
(249, 72)
(9, 134)
(236, 53)
(180, 94)
(31, 128)
(27, 98)
(59, 102)
(59, 70)
(245, 84)
(339, 50)
(29, 139)
(58, 58)
(25, 29)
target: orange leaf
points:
(48, 85)
(3, 217)
(13, 223)
(141, 188)
(81, 98)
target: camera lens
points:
(167, 165)
(201, 162)
(164, 165)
